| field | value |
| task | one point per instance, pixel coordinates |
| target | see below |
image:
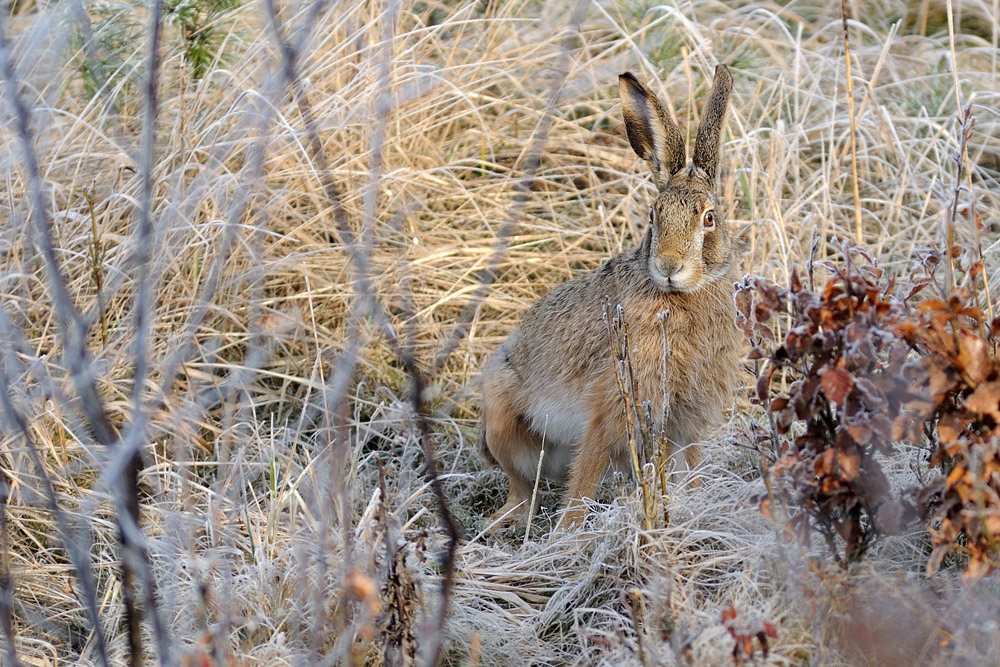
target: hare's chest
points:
(682, 353)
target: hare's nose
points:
(668, 266)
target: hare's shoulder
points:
(565, 330)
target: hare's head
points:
(690, 241)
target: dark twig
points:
(366, 300)
(335, 393)
(135, 436)
(6, 583)
(367, 303)
(72, 330)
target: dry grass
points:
(284, 501)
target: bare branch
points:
(6, 583)
(523, 189)
(78, 554)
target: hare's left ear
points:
(706, 145)
(654, 137)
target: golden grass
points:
(278, 411)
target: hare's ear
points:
(706, 145)
(654, 137)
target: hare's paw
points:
(573, 516)
(511, 512)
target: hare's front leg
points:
(592, 458)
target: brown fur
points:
(552, 383)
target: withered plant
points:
(833, 385)
(861, 370)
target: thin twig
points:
(949, 266)
(965, 123)
(78, 555)
(858, 230)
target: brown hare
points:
(552, 382)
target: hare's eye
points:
(708, 219)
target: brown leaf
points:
(861, 432)
(992, 521)
(907, 329)
(785, 463)
(744, 299)
(783, 422)
(966, 489)
(837, 384)
(849, 464)
(901, 427)
(950, 427)
(764, 384)
(942, 378)
(805, 406)
(763, 312)
(882, 427)
(870, 393)
(937, 555)
(956, 474)
(794, 281)
(845, 529)
(778, 403)
(973, 357)
(823, 465)
(765, 508)
(932, 305)
(917, 287)
(766, 332)
(728, 614)
(978, 566)
(949, 530)
(986, 400)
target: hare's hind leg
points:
(514, 446)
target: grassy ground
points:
(285, 508)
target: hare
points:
(552, 382)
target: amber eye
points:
(708, 218)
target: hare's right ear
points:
(706, 145)
(654, 137)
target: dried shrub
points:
(862, 371)
(845, 373)
(959, 415)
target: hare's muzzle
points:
(670, 273)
